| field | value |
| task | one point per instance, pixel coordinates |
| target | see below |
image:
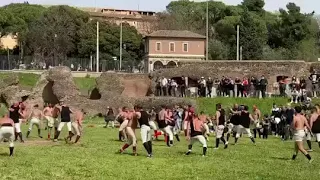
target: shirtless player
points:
(299, 123)
(130, 129)
(77, 125)
(7, 131)
(35, 119)
(47, 112)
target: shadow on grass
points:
(4, 154)
(281, 158)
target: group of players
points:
(54, 116)
(197, 126)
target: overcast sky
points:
(160, 5)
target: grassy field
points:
(96, 157)
(29, 80)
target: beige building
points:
(8, 42)
(166, 48)
(143, 21)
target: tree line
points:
(285, 35)
(55, 33)
(52, 34)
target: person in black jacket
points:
(263, 86)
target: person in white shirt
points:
(174, 87)
(164, 84)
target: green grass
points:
(29, 80)
(87, 83)
(96, 158)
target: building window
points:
(171, 47)
(158, 46)
(185, 47)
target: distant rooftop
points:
(176, 34)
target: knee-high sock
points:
(217, 142)
(319, 144)
(146, 146)
(56, 134)
(20, 136)
(252, 139)
(28, 133)
(15, 136)
(189, 147)
(309, 144)
(228, 136)
(236, 140)
(39, 133)
(150, 146)
(11, 150)
(134, 148)
(308, 156)
(204, 151)
(120, 136)
(177, 137)
(223, 140)
(77, 139)
(124, 147)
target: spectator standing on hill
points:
(169, 85)
(253, 86)
(314, 80)
(158, 87)
(183, 87)
(245, 85)
(209, 86)
(174, 87)
(263, 86)
(164, 85)
(239, 87)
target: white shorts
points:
(199, 138)
(75, 128)
(17, 127)
(61, 124)
(50, 121)
(318, 137)
(220, 130)
(34, 121)
(145, 133)
(299, 135)
(153, 125)
(7, 132)
(241, 129)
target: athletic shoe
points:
(216, 148)
(55, 140)
(66, 140)
(40, 137)
(310, 150)
(310, 161)
(188, 152)
(149, 156)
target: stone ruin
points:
(112, 89)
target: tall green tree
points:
(253, 36)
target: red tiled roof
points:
(176, 34)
